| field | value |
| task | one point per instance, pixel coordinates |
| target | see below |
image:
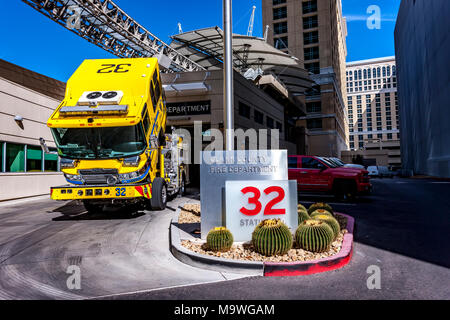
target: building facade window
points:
(280, 28)
(259, 117)
(281, 43)
(270, 123)
(314, 107)
(311, 37)
(51, 162)
(26, 158)
(15, 158)
(276, 2)
(244, 110)
(311, 53)
(313, 67)
(310, 22)
(34, 159)
(309, 6)
(279, 13)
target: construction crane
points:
(266, 33)
(252, 22)
(104, 24)
(180, 29)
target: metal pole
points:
(228, 95)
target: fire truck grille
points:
(98, 176)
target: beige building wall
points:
(315, 32)
(35, 108)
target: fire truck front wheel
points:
(159, 194)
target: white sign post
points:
(250, 202)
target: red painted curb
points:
(283, 269)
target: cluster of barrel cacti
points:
(315, 223)
(317, 229)
(272, 237)
(219, 239)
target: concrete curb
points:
(262, 268)
(316, 266)
(209, 262)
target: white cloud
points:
(352, 18)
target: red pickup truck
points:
(317, 174)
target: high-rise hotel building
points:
(315, 32)
(372, 104)
(372, 107)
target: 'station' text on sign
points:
(250, 202)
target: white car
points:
(373, 171)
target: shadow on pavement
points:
(76, 212)
(405, 216)
(192, 229)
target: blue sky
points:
(33, 41)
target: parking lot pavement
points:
(115, 252)
(402, 228)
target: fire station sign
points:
(250, 202)
(188, 108)
(218, 167)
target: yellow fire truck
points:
(110, 134)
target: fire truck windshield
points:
(100, 143)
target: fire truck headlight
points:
(132, 175)
(74, 177)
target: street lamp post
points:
(228, 74)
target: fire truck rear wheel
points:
(159, 194)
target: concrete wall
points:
(422, 41)
(22, 185)
(35, 108)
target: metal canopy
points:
(205, 47)
(186, 87)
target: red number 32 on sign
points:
(268, 210)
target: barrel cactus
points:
(320, 205)
(301, 207)
(302, 215)
(321, 212)
(272, 237)
(314, 235)
(332, 222)
(219, 239)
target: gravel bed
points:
(245, 251)
(190, 213)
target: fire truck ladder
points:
(104, 24)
